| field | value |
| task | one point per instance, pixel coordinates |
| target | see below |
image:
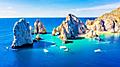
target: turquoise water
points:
(81, 51)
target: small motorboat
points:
(63, 47)
(97, 51)
(66, 49)
(45, 50)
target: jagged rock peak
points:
(39, 28)
(72, 26)
(22, 34)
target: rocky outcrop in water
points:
(89, 24)
(109, 22)
(70, 28)
(22, 34)
(39, 27)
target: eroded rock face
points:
(54, 32)
(39, 27)
(22, 34)
(90, 25)
(108, 22)
(72, 27)
(91, 34)
(63, 35)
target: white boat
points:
(66, 50)
(45, 50)
(97, 50)
(63, 47)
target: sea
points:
(81, 52)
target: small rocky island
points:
(70, 28)
(22, 34)
(39, 28)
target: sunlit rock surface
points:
(109, 22)
(39, 27)
(70, 28)
(54, 32)
(22, 34)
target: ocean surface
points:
(81, 51)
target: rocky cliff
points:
(39, 28)
(22, 34)
(70, 28)
(109, 22)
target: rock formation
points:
(70, 28)
(39, 27)
(89, 24)
(63, 35)
(91, 34)
(32, 30)
(37, 37)
(109, 22)
(22, 34)
(54, 31)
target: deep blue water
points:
(81, 52)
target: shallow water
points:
(81, 51)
